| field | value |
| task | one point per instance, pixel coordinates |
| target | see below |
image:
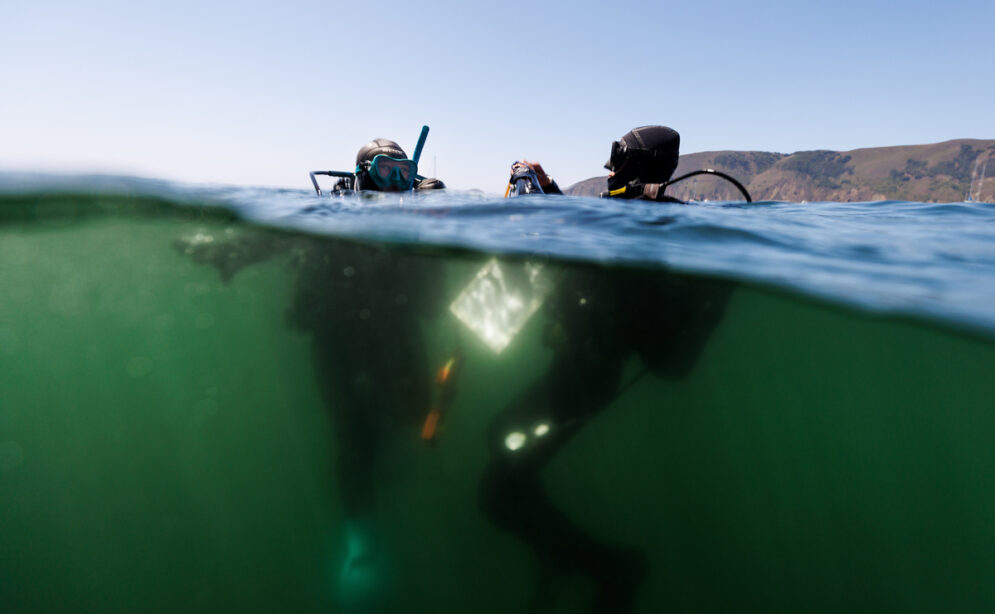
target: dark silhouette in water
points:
(363, 307)
(599, 319)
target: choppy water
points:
(168, 440)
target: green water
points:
(164, 447)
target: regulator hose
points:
(710, 171)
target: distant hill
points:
(951, 171)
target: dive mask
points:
(622, 152)
(391, 173)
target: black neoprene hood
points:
(655, 138)
(377, 147)
(652, 156)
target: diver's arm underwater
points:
(235, 251)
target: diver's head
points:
(382, 165)
(647, 154)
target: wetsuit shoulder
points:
(654, 192)
(430, 183)
(552, 188)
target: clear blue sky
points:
(261, 92)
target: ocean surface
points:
(770, 407)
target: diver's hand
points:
(544, 179)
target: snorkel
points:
(420, 145)
(393, 172)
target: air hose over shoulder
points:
(710, 171)
(657, 189)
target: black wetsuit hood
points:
(650, 156)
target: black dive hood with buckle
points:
(647, 154)
(643, 161)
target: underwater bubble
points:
(201, 238)
(514, 441)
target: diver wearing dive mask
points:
(644, 155)
(390, 174)
(643, 161)
(382, 166)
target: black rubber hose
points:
(709, 171)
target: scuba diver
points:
(644, 156)
(597, 319)
(382, 166)
(364, 307)
(530, 178)
(641, 164)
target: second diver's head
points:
(647, 154)
(383, 166)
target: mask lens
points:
(393, 173)
(384, 166)
(404, 170)
(617, 149)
